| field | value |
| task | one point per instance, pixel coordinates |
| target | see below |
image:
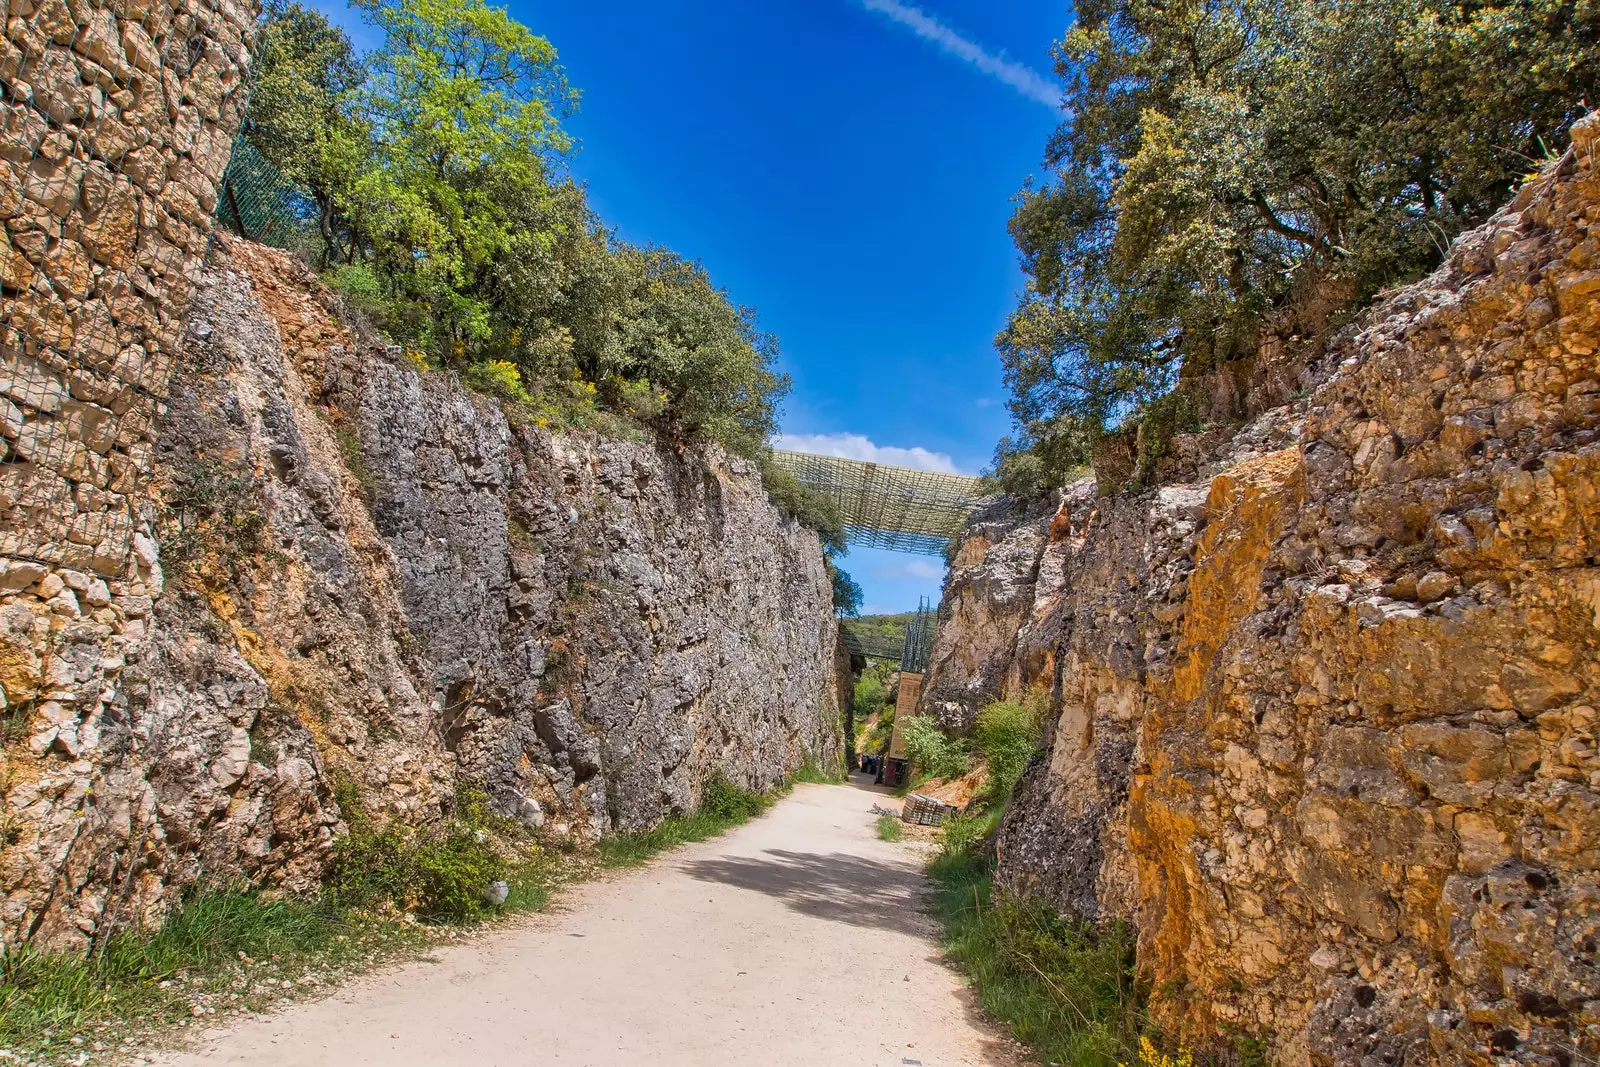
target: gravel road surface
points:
(797, 939)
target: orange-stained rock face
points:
(1325, 722)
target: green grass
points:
(809, 772)
(889, 828)
(223, 949)
(1066, 989)
(355, 461)
(723, 806)
(227, 950)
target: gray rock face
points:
(363, 571)
(984, 609)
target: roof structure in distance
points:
(889, 507)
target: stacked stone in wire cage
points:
(117, 125)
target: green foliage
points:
(234, 948)
(302, 114)
(935, 753)
(883, 633)
(1065, 989)
(877, 742)
(811, 774)
(722, 800)
(223, 942)
(447, 215)
(498, 378)
(358, 284)
(797, 501)
(1007, 734)
(870, 695)
(889, 828)
(1045, 455)
(1159, 421)
(967, 831)
(437, 872)
(846, 593)
(1251, 165)
(723, 806)
(355, 461)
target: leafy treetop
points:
(1233, 169)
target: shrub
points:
(637, 398)
(1231, 171)
(847, 593)
(445, 212)
(934, 752)
(883, 733)
(438, 872)
(870, 696)
(721, 799)
(212, 519)
(889, 828)
(1007, 734)
(497, 377)
(1065, 988)
(796, 501)
(360, 288)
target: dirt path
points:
(787, 941)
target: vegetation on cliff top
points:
(1256, 168)
(445, 213)
(444, 209)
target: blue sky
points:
(844, 166)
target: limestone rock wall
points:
(1325, 712)
(115, 127)
(984, 610)
(361, 571)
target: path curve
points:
(797, 939)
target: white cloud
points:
(986, 401)
(921, 568)
(855, 446)
(1025, 80)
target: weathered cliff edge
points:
(371, 573)
(1325, 711)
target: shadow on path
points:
(863, 781)
(835, 886)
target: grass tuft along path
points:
(797, 939)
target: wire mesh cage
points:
(259, 203)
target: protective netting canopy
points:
(919, 639)
(889, 507)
